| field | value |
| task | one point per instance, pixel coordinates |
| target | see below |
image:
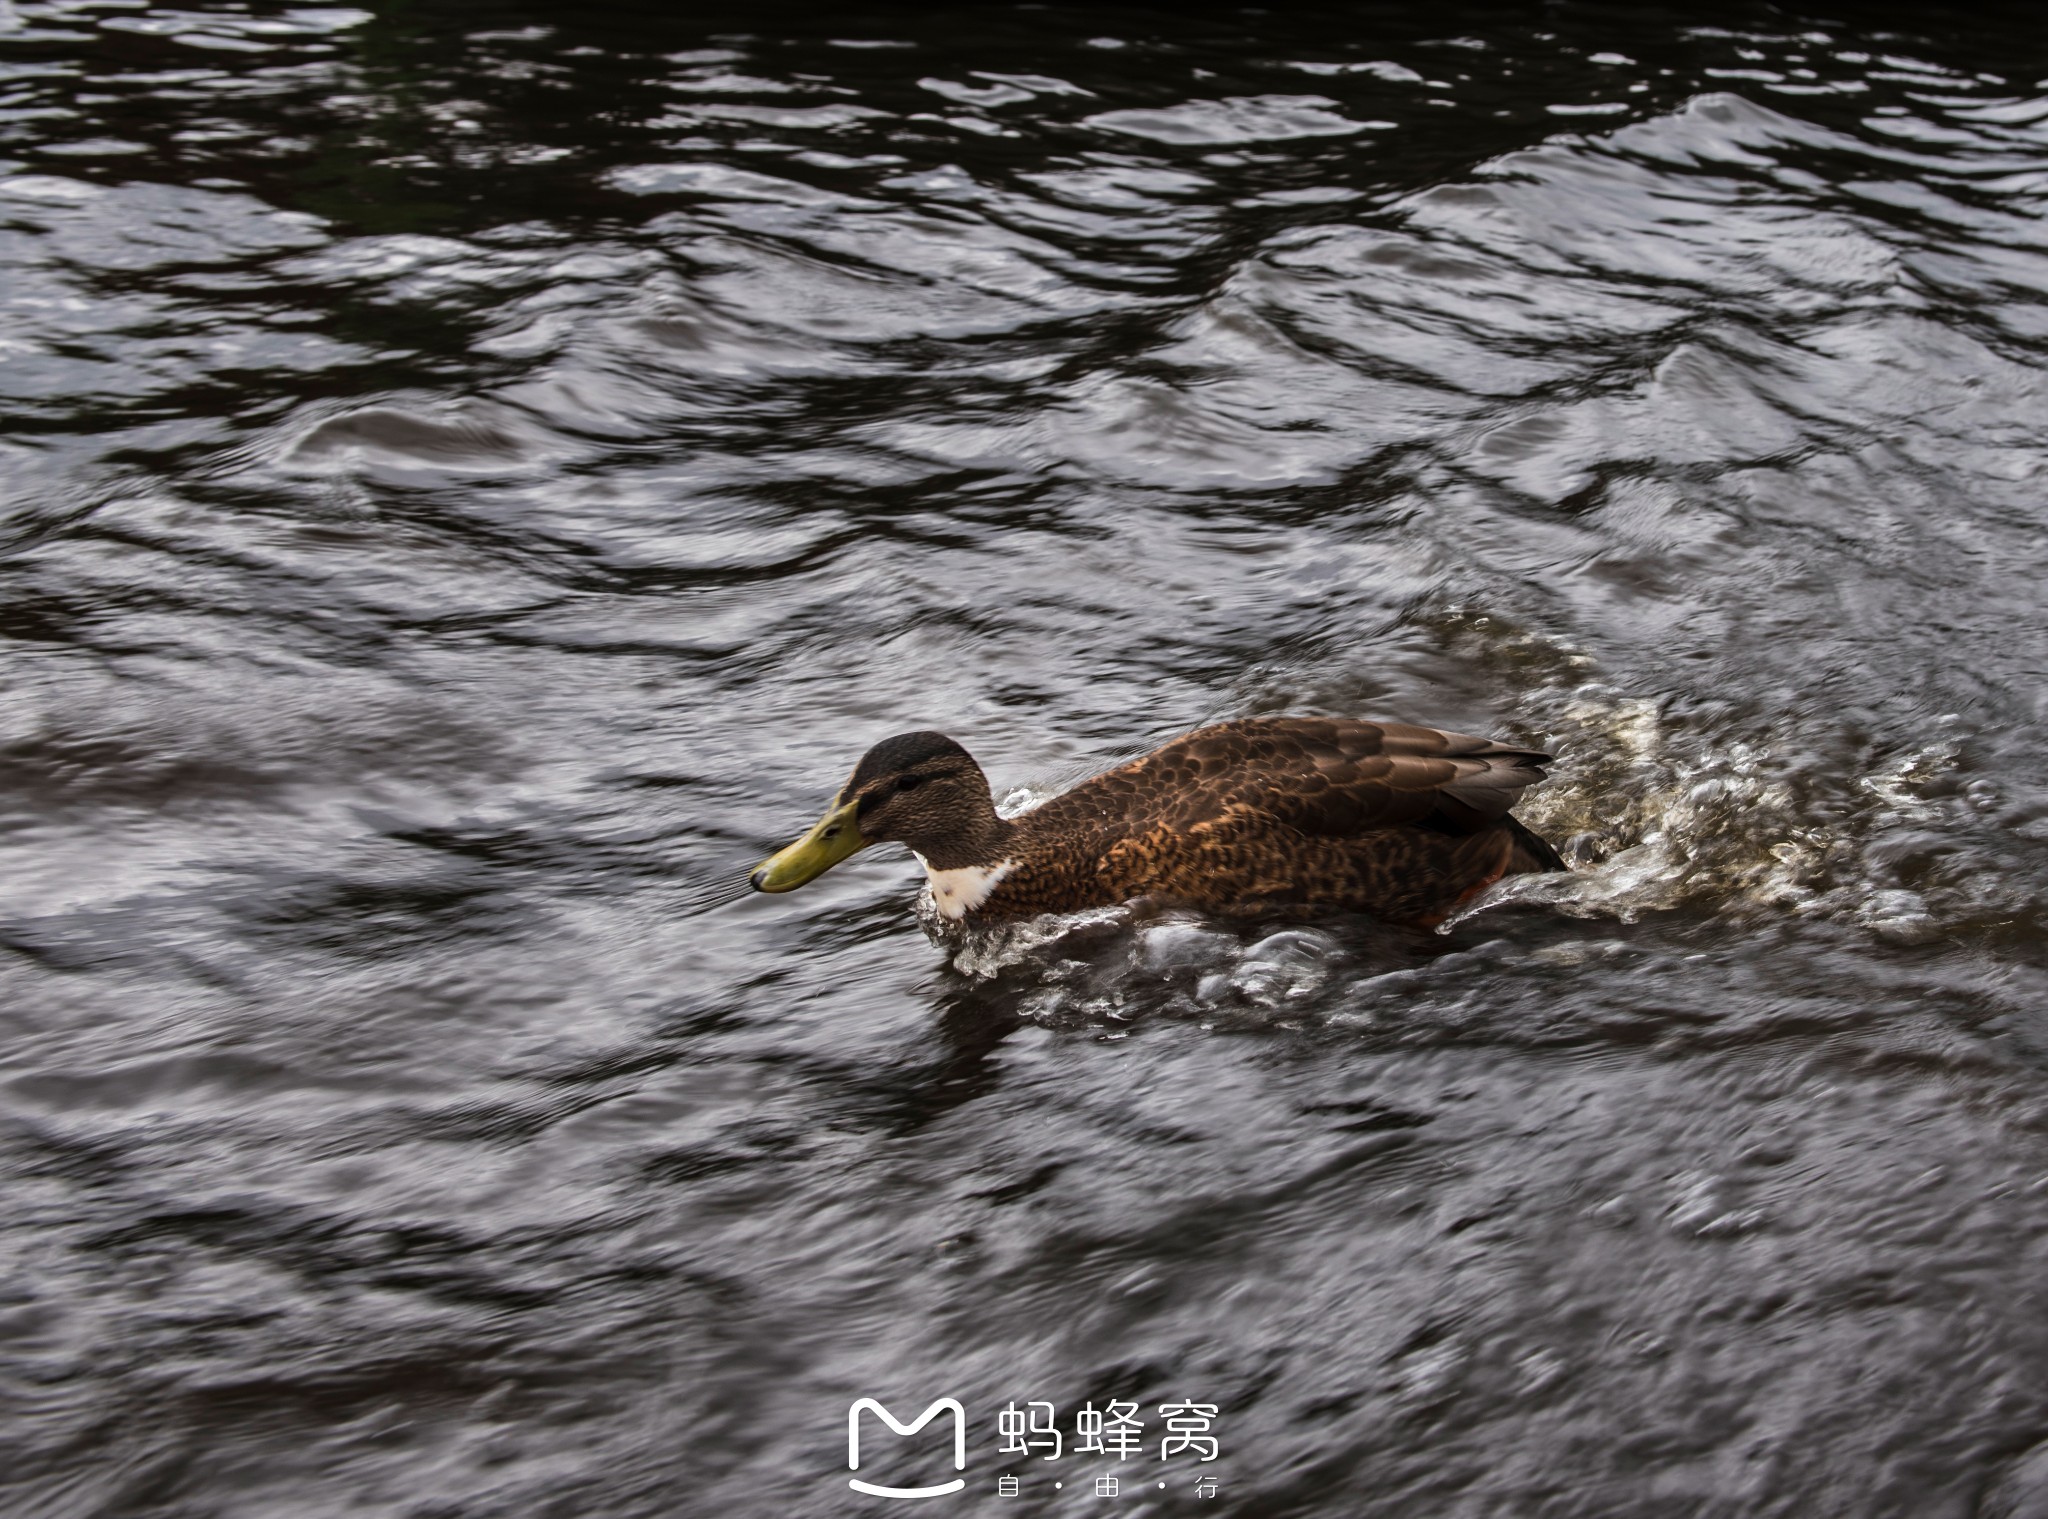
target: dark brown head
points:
(919, 789)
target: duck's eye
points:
(909, 783)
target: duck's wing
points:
(1336, 777)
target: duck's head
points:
(920, 789)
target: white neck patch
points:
(956, 893)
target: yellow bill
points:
(832, 839)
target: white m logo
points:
(959, 1447)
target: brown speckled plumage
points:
(1245, 816)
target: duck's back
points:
(1388, 818)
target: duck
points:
(1262, 815)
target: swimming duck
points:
(1251, 816)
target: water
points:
(475, 478)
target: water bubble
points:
(1164, 948)
(1900, 916)
(1284, 967)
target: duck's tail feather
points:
(1531, 853)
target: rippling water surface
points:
(473, 478)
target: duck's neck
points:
(965, 866)
(979, 838)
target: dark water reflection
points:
(476, 475)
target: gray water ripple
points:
(473, 486)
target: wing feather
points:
(1339, 777)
